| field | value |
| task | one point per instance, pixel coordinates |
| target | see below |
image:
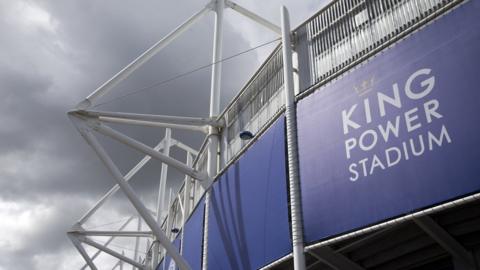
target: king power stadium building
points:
(354, 147)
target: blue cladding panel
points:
(248, 218)
(383, 182)
(192, 238)
(168, 263)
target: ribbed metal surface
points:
(253, 97)
(348, 29)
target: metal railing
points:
(347, 30)
(255, 94)
(253, 108)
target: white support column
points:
(127, 189)
(111, 252)
(161, 204)
(292, 151)
(216, 61)
(139, 61)
(212, 158)
(187, 193)
(168, 228)
(137, 241)
(148, 256)
(186, 200)
(121, 262)
(162, 189)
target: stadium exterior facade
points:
(364, 153)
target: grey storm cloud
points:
(53, 54)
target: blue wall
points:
(193, 237)
(248, 218)
(168, 263)
(351, 174)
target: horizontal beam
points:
(111, 252)
(445, 240)
(256, 18)
(142, 59)
(115, 233)
(167, 119)
(203, 129)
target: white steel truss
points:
(88, 122)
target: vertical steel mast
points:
(292, 148)
(162, 187)
(213, 144)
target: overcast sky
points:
(53, 54)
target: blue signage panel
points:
(397, 134)
(193, 237)
(248, 214)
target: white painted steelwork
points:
(292, 146)
(204, 168)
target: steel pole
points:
(186, 199)
(133, 198)
(168, 227)
(137, 241)
(121, 262)
(292, 150)
(212, 161)
(162, 188)
(163, 175)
